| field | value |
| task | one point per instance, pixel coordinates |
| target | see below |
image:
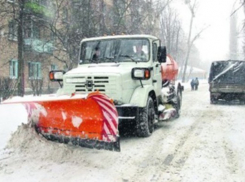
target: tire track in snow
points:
(175, 161)
(177, 154)
(232, 156)
(156, 154)
(231, 159)
(182, 152)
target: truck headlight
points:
(141, 73)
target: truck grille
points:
(93, 83)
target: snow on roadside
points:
(213, 150)
(47, 97)
(12, 115)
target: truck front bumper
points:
(127, 113)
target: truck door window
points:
(154, 52)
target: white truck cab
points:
(127, 68)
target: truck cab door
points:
(157, 76)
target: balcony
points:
(37, 45)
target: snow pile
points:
(18, 136)
(27, 141)
(11, 116)
(22, 137)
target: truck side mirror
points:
(56, 75)
(162, 54)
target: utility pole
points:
(243, 3)
(233, 36)
(189, 42)
(21, 66)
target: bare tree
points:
(36, 86)
(95, 18)
(145, 15)
(73, 21)
(170, 31)
(190, 39)
(7, 87)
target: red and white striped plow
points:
(110, 120)
(110, 133)
(89, 121)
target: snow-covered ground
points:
(207, 143)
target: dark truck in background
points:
(227, 80)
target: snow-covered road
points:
(207, 143)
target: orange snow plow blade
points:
(89, 122)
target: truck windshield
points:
(114, 50)
(227, 72)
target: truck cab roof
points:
(120, 36)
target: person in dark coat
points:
(192, 84)
(196, 83)
(96, 55)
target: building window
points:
(34, 70)
(13, 68)
(13, 30)
(53, 67)
(32, 29)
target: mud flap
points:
(167, 112)
(90, 121)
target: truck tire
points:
(213, 100)
(177, 106)
(145, 123)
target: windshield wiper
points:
(85, 61)
(127, 56)
(89, 61)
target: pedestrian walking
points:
(192, 84)
(196, 83)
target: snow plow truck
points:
(119, 79)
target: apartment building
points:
(38, 46)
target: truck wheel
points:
(145, 124)
(179, 102)
(213, 100)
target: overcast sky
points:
(214, 41)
